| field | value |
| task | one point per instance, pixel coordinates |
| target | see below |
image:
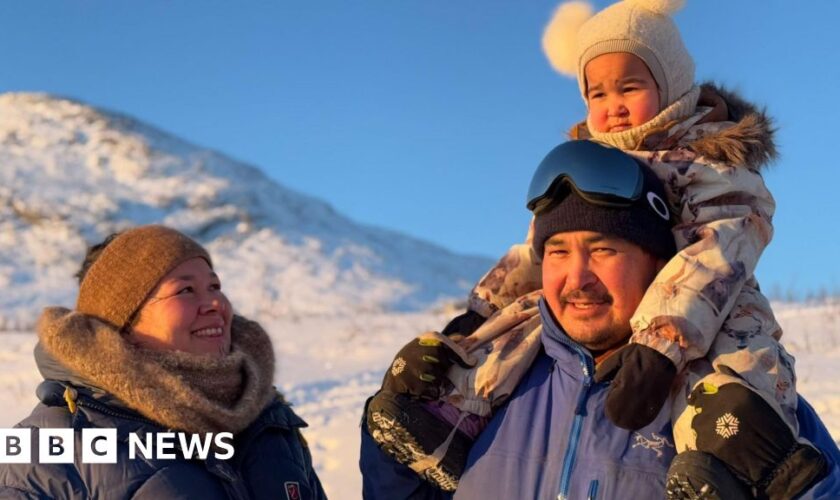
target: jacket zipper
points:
(593, 490)
(577, 424)
(107, 411)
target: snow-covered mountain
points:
(71, 174)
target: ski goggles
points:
(599, 174)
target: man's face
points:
(593, 284)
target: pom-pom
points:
(559, 39)
(663, 7)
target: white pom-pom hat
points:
(643, 28)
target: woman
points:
(153, 346)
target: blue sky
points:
(427, 116)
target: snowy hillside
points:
(71, 174)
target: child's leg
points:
(421, 435)
(745, 431)
(742, 404)
(433, 437)
(748, 345)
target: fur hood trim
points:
(734, 131)
(748, 142)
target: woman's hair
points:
(93, 253)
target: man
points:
(603, 236)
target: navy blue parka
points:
(270, 461)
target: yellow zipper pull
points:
(70, 397)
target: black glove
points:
(741, 429)
(641, 380)
(419, 369)
(464, 324)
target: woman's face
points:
(187, 311)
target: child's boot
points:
(737, 426)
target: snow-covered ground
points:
(329, 365)
(812, 335)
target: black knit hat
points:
(645, 223)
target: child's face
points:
(620, 92)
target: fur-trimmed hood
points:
(733, 131)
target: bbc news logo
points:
(99, 446)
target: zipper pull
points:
(580, 408)
(70, 396)
(593, 490)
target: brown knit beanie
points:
(129, 268)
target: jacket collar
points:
(51, 369)
(98, 404)
(103, 410)
(560, 346)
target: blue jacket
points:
(552, 440)
(270, 461)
